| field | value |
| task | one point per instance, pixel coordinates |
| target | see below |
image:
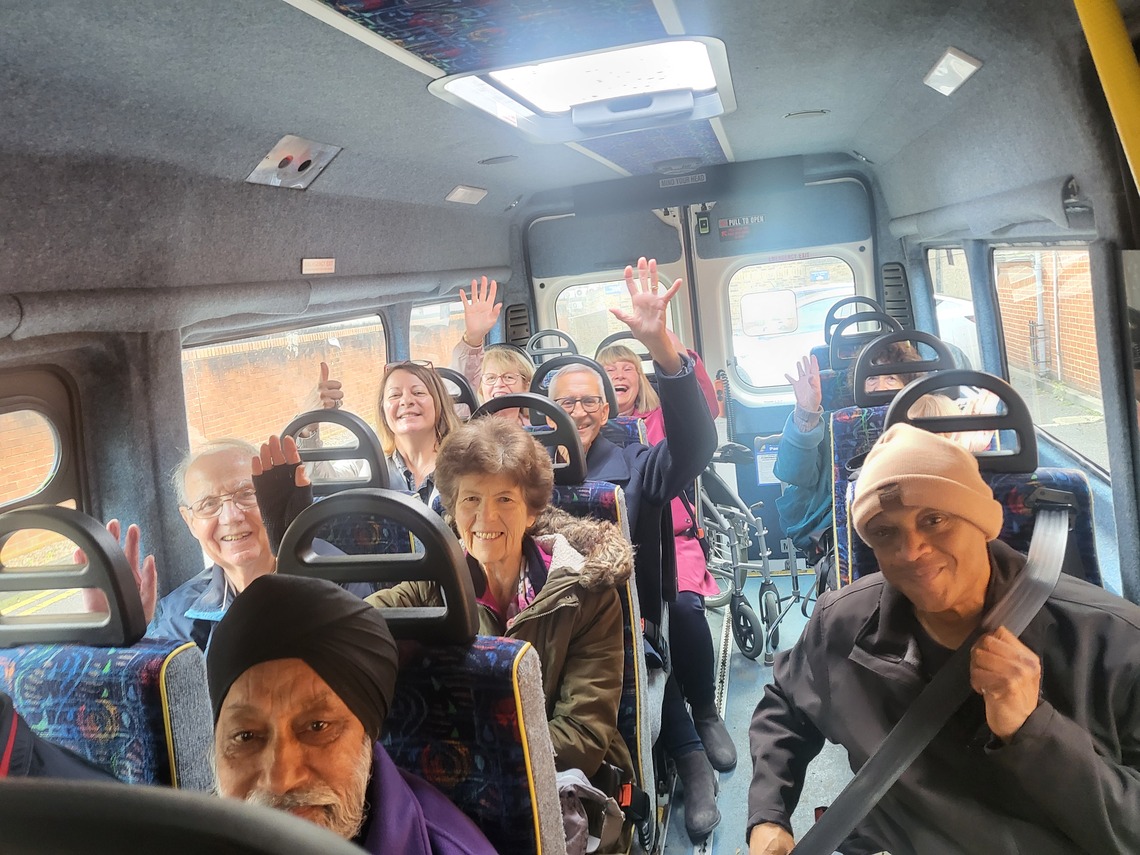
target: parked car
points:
(763, 360)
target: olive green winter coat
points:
(575, 625)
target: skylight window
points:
(560, 84)
(565, 99)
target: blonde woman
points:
(494, 371)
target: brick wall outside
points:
(1065, 279)
(252, 389)
(27, 463)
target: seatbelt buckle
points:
(634, 802)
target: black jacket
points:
(25, 755)
(1068, 781)
(652, 477)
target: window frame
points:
(56, 399)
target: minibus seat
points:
(461, 391)
(853, 432)
(1017, 482)
(137, 707)
(854, 429)
(636, 346)
(822, 352)
(570, 461)
(360, 534)
(366, 448)
(40, 815)
(643, 688)
(563, 344)
(540, 383)
(625, 430)
(469, 712)
(843, 351)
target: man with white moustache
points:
(302, 676)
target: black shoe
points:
(701, 814)
(714, 735)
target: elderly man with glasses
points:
(651, 478)
(219, 503)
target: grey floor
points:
(746, 680)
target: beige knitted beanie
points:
(910, 467)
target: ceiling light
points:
(566, 99)
(294, 162)
(466, 195)
(951, 71)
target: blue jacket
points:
(192, 610)
(804, 464)
(652, 477)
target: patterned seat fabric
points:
(625, 430)
(116, 706)
(835, 389)
(1012, 490)
(853, 432)
(822, 354)
(602, 500)
(456, 721)
(367, 534)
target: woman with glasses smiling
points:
(496, 370)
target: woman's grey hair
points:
(214, 446)
(490, 447)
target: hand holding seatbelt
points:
(768, 838)
(1007, 675)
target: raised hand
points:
(481, 312)
(805, 384)
(646, 319)
(146, 574)
(329, 391)
(1007, 675)
(283, 488)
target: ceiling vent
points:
(294, 163)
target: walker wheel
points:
(746, 629)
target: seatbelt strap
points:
(949, 689)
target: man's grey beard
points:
(342, 816)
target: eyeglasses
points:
(244, 499)
(490, 379)
(590, 403)
(423, 363)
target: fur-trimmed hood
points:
(608, 554)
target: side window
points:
(251, 388)
(583, 312)
(954, 302)
(434, 330)
(1045, 298)
(40, 465)
(777, 311)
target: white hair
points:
(216, 446)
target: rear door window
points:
(777, 311)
